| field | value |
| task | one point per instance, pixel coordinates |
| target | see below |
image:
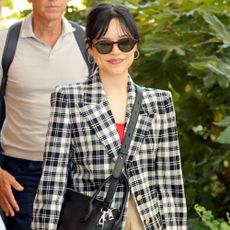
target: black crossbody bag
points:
(81, 212)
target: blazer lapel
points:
(97, 112)
(144, 121)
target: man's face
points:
(49, 10)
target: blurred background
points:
(185, 48)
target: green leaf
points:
(223, 81)
(224, 226)
(209, 81)
(218, 27)
(7, 3)
(224, 137)
(223, 123)
(208, 218)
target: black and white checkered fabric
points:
(82, 138)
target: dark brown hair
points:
(99, 18)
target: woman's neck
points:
(115, 84)
(117, 94)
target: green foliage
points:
(185, 48)
(209, 220)
(73, 13)
(224, 137)
(7, 3)
(24, 13)
(13, 15)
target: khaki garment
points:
(133, 220)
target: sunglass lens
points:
(104, 47)
(126, 44)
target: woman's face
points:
(115, 62)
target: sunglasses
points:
(106, 46)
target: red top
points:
(120, 130)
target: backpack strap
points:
(7, 58)
(9, 51)
(79, 35)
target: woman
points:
(87, 127)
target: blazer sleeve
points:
(168, 170)
(50, 193)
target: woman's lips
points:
(115, 61)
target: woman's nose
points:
(115, 49)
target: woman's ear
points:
(90, 50)
(88, 46)
(136, 47)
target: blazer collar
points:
(94, 94)
(94, 91)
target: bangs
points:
(103, 30)
(99, 19)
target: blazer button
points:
(139, 197)
(147, 221)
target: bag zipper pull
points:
(106, 215)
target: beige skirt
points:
(133, 220)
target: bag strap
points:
(117, 174)
(79, 35)
(123, 153)
(7, 58)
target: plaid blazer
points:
(82, 136)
